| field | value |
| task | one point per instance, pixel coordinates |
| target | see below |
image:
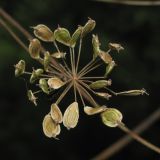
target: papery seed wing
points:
(92, 111)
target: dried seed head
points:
(20, 68)
(111, 117)
(43, 85)
(35, 75)
(103, 95)
(93, 111)
(31, 97)
(76, 35)
(50, 128)
(46, 60)
(100, 84)
(55, 83)
(89, 26)
(35, 48)
(43, 32)
(109, 68)
(56, 113)
(105, 56)
(59, 55)
(96, 45)
(115, 46)
(133, 92)
(71, 116)
(62, 35)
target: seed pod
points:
(109, 68)
(115, 46)
(31, 97)
(100, 84)
(62, 35)
(35, 75)
(56, 113)
(59, 55)
(71, 116)
(93, 111)
(20, 68)
(35, 48)
(76, 35)
(105, 56)
(133, 92)
(96, 45)
(44, 33)
(46, 60)
(55, 83)
(103, 95)
(50, 128)
(111, 117)
(43, 85)
(89, 26)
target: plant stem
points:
(138, 138)
(125, 140)
(79, 53)
(18, 40)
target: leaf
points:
(71, 116)
(93, 111)
(62, 35)
(100, 84)
(56, 113)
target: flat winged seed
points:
(133, 92)
(35, 75)
(76, 35)
(46, 60)
(111, 117)
(20, 68)
(93, 111)
(55, 83)
(71, 116)
(105, 56)
(35, 48)
(32, 97)
(96, 45)
(103, 95)
(89, 26)
(100, 84)
(43, 33)
(56, 113)
(50, 128)
(62, 35)
(115, 46)
(59, 55)
(109, 68)
(43, 85)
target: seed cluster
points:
(57, 72)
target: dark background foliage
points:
(136, 28)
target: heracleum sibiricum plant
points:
(57, 72)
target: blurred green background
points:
(136, 28)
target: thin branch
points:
(15, 24)
(132, 2)
(79, 53)
(125, 140)
(17, 39)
